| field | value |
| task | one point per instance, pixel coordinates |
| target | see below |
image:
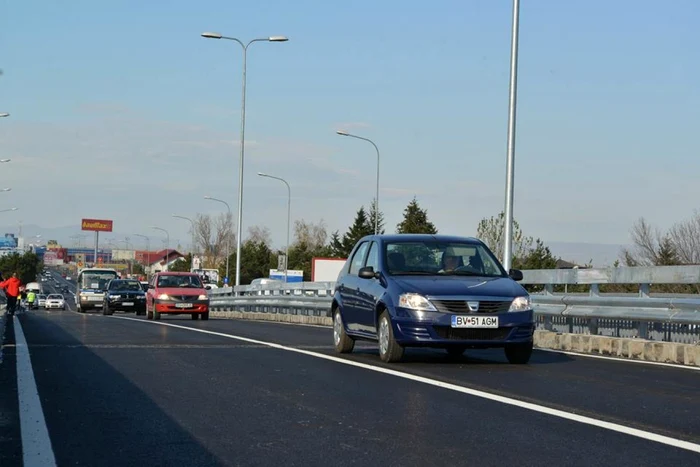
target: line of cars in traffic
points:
(171, 293)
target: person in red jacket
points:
(11, 287)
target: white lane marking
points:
(622, 360)
(36, 443)
(647, 435)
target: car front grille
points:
(185, 298)
(460, 306)
(446, 332)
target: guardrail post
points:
(644, 290)
(595, 290)
(549, 289)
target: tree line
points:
(311, 240)
(27, 266)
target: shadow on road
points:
(95, 415)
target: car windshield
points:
(180, 281)
(55, 297)
(132, 286)
(41, 296)
(441, 258)
(97, 279)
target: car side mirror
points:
(367, 273)
(516, 274)
(207, 287)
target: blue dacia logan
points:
(419, 290)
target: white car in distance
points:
(55, 301)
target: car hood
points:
(461, 285)
(180, 291)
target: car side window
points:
(358, 258)
(373, 257)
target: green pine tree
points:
(666, 254)
(373, 214)
(415, 220)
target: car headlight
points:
(521, 304)
(141, 297)
(163, 296)
(114, 297)
(415, 301)
(202, 297)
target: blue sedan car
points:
(415, 290)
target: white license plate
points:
(183, 305)
(128, 303)
(94, 299)
(474, 321)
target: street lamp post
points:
(289, 217)
(167, 245)
(148, 250)
(376, 214)
(239, 234)
(193, 230)
(228, 242)
(510, 158)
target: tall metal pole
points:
(193, 236)
(239, 221)
(510, 160)
(376, 201)
(289, 220)
(97, 239)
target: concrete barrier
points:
(633, 349)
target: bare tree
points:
(646, 244)
(259, 234)
(312, 236)
(685, 237)
(212, 236)
(492, 232)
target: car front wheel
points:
(519, 354)
(389, 350)
(343, 343)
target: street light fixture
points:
(289, 216)
(239, 232)
(376, 214)
(167, 245)
(8, 210)
(4, 114)
(4, 160)
(193, 230)
(228, 243)
(6, 189)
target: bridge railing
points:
(669, 318)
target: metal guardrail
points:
(660, 318)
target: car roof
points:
(421, 238)
(176, 273)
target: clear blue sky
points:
(121, 111)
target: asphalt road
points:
(125, 391)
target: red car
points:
(176, 293)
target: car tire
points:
(204, 316)
(195, 316)
(343, 343)
(390, 351)
(519, 354)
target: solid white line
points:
(453, 387)
(36, 443)
(622, 359)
